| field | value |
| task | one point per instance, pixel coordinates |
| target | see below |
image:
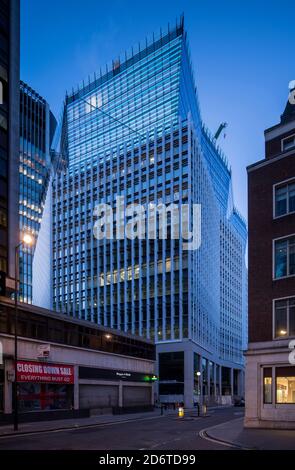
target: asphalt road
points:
(159, 433)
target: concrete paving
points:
(233, 433)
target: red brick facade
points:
(263, 229)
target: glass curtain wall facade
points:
(37, 126)
(154, 150)
(143, 286)
(150, 89)
(233, 272)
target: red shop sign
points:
(29, 371)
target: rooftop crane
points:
(222, 126)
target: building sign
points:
(29, 371)
(113, 374)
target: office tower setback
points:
(136, 132)
(37, 127)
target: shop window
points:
(45, 397)
(285, 385)
(267, 385)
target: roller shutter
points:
(136, 396)
(98, 396)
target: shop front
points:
(70, 369)
(45, 387)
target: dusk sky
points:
(242, 54)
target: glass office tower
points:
(136, 132)
(37, 126)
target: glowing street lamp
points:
(27, 239)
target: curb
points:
(205, 434)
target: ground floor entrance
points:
(191, 376)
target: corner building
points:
(136, 132)
(270, 358)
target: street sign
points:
(44, 350)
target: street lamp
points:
(27, 240)
(199, 374)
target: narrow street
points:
(166, 433)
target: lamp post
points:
(199, 374)
(28, 241)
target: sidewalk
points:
(57, 425)
(233, 433)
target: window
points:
(284, 254)
(36, 396)
(284, 318)
(285, 199)
(288, 143)
(285, 385)
(267, 385)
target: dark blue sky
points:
(242, 53)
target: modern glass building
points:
(136, 132)
(37, 127)
(148, 88)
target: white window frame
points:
(274, 404)
(280, 338)
(274, 258)
(273, 391)
(281, 183)
(286, 138)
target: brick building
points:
(270, 375)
